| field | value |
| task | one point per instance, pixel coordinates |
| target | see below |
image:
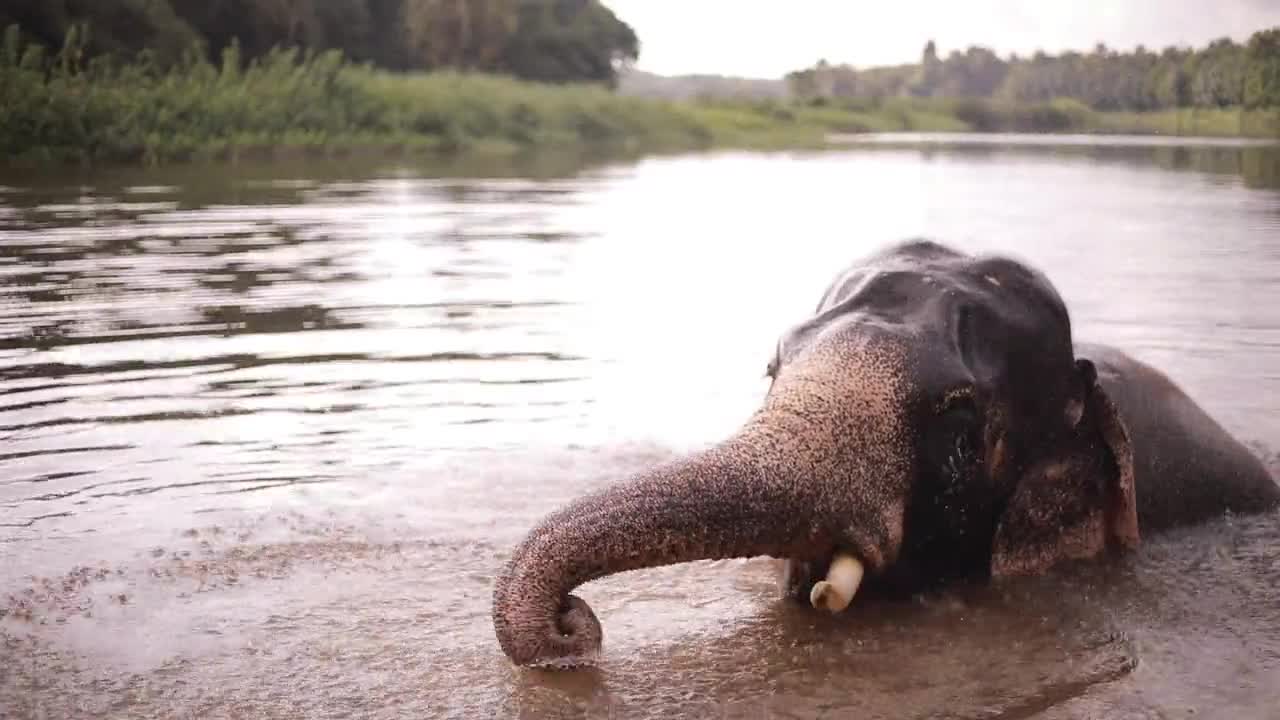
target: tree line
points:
(1223, 74)
(553, 41)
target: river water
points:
(267, 433)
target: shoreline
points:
(1032, 139)
(560, 158)
(61, 111)
(285, 107)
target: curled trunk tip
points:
(532, 635)
(722, 503)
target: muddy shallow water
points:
(269, 433)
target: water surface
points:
(269, 432)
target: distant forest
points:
(1224, 74)
(700, 87)
(551, 41)
(573, 41)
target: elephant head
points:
(930, 420)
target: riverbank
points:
(52, 114)
(58, 113)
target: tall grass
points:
(1059, 116)
(56, 107)
(1206, 122)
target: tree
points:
(1262, 77)
(560, 41)
(1223, 74)
(1217, 75)
(546, 40)
(975, 73)
(467, 34)
(930, 72)
(291, 22)
(121, 28)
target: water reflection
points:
(448, 311)
(160, 346)
(1256, 162)
(297, 417)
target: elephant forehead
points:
(900, 281)
(971, 303)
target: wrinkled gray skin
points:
(934, 419)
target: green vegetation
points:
(1223, 75)
(700, 87)
(60, 108)
(169, 80)
(544, 40)
(1225, 89)
(1072, 116)
(57, 108)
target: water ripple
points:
(245, 412)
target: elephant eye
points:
(954, 439)
(771, 370)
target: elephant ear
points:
(1079, 500)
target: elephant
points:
(933, 420)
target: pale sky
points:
(768, 38)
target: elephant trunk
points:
(753, 495)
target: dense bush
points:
(60, 107)
(546, 40)
(1222, 74)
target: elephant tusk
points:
(837, 591)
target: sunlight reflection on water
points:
(296, 422)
